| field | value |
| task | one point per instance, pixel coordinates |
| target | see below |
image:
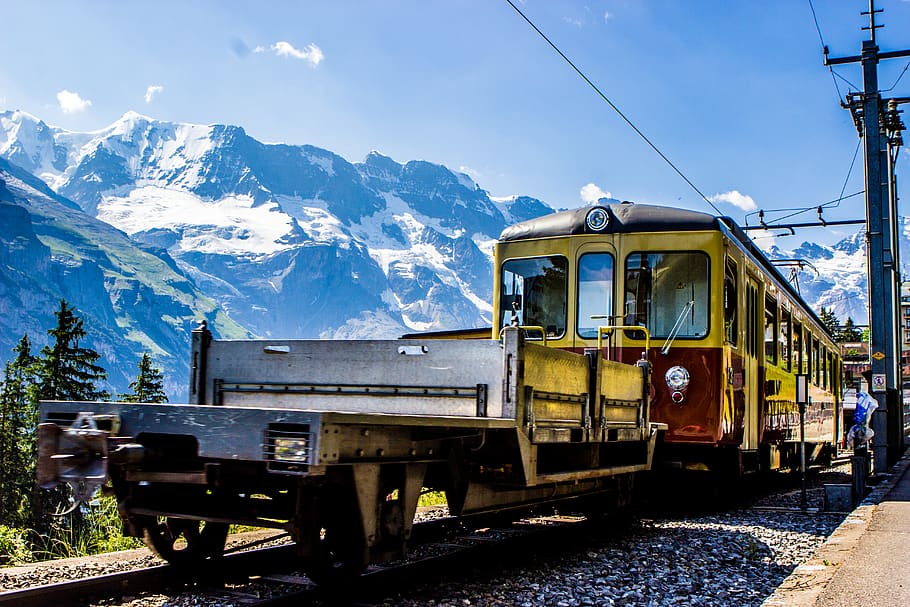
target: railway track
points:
(157, 578)
(441, 551)
(247, 577)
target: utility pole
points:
(873, 117)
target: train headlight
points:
(677, 378)
(597, 219)
(294, 450)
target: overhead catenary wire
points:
(831, 203)
(615, 108)
(821, 39)
(901, 75)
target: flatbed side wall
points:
(621, 382)
(622, 407)
(411, 377)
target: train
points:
(726, 334)
(625, 337)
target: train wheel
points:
(183, 541)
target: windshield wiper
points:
(677, 326)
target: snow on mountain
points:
(291, 240)
(295, 241)
(133, 300)
(836, 277)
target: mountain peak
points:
(133, 116)
(131, 121)
(19, 116)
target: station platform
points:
(866, 561)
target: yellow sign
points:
(878, 355)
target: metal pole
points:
(879, 296)
(881, 255)
(802, 399)
(803, 503)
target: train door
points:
(753, 352)
(732, 374)
(594, 294)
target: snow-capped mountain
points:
(132, 300)
(836, 276)
(147, 225)
(293, 241)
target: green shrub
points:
(14, 549)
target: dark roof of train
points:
(624, 217)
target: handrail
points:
(610, 328)
(540, 328)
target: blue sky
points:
(734, 93)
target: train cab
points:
(725, 334)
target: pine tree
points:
(830, 321)
(67, 371)
(18, 419)
(149, 384)
(849, 332)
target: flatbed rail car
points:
(728, 334)
(333, 441)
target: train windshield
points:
(534, 291)
(667, 293)
(595, 293)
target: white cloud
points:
(71, 103)
(735, 198)
(591, 194)
(151, 91)
(574, 21)
(311, 53)
(607, 17)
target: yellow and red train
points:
(725, 332)
(650, 321)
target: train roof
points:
(627, 217)
(624, 217)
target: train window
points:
(771, 330)
(816, 363)
(750, 316)
(797, 351)
(784, 338)
(667, 293)
(806, 367)
(595, 293)
(534, 290)
(731, 300)
(825, 359)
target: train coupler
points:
(76, 455)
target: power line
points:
(821, 39)
(849, 172)
(831, 203)
(801, 210)
(613, 106)
(901, 75)
(852, 86)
